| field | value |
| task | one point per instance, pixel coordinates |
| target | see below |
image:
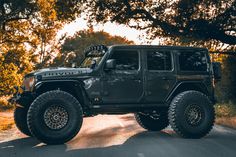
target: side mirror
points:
(217, 70)
(110, 64)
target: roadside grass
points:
(226, 114)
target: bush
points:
(9, 77)
(4, 104)
(225, 110)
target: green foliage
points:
(73, 47)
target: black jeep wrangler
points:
(161, 85)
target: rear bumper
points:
(214, 100)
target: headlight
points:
(28, 83)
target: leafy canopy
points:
(192, 19)
(27, 29)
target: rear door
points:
(160, 77)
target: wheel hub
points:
(194, 115)
(56, 117)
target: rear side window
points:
(159, 60)
(126, 59)
(192, 61)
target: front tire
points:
(55, 117)
(191, 114)
(20, 118)
(153, 121)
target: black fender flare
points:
(77, 86)
(187, 85)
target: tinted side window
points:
(192, 61)
(126, 60)
(159, 60)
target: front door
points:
(160, 78)
(124, 84)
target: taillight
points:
(214, 82)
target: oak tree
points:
(191, 19)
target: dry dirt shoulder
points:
(227, 121)
(6, 120)
(8, 129)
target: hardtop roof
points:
(157, 46)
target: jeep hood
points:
(60, 72)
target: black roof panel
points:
(157, 46)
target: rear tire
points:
(191, 114)
(55, 117)
(152, 123)
(20, 118)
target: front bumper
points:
(23, 99)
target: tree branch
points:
(194, 28)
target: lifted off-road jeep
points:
(161, 85)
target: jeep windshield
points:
(93, 56)
(91, 62)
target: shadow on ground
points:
(140, 145)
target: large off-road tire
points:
(55, 117)
(191, 114)
(20, 118)
(153, 122)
